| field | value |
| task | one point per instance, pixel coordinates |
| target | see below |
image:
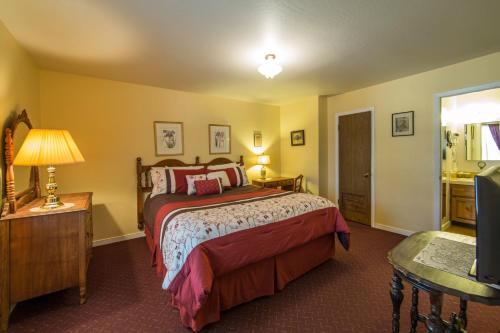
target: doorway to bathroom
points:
(470, 143)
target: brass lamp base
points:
(52, 200)
(263, 172)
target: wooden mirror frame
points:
(13, 199)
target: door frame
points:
(437, 141)
(372, 162)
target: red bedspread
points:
(192, 286)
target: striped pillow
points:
(242, 174)
(163, 178)
(209, 186)
(237, 176)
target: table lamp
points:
(48, 147)
(263, 160)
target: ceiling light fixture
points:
(270, 68)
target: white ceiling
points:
(214, 46)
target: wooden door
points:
(355, 167)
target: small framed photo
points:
(220, 139)
(402, 123)
(297, 138)
(257, 138)
(169, 138)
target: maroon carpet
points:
(347, 294)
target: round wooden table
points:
(436, 282)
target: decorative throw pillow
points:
(190, 179)
(232, 175)
(179, 179)
(222, 166)
(159, 181)
(163, 180)
(242, 175)
(222, 175)
(237, 176)
(209, 186)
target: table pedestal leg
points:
(462, 316)
(414, 310)
(397, 299)
(434, 323)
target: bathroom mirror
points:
(482, 141)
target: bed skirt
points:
(263, 278)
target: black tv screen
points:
(487, 187)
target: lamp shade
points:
(48, 147)
(263, 160)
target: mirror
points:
(22, 173)
(22, 184)
(482, 141)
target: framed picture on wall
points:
(219, 137)
(298, 138)
(402, 123)
(257, 138)
(169, 138)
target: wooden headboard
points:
(144, 184)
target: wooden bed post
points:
(197, 160)
(241, 160)
(140, 203)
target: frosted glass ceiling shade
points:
(48, 147)
(270, 68)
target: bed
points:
(221, 250)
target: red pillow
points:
(181, 185)
(210, 186)
(231, 174)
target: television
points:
(487, 188)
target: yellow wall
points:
(301, 114)
(112, 123)
(19, 87)
(405, 166)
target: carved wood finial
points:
(197, 160)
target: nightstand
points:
(43, 252)
(286, 183)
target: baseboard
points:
(393, 229)
(116, 239)
(445, 225)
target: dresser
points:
(286, 183)
(43, 252)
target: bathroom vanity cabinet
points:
(463, 205)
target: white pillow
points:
(222, 166)
(220, 174)
(159, 178)
(190, 181)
